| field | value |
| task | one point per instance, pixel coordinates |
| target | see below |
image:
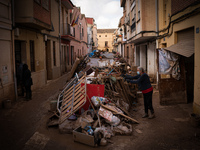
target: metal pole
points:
(60, 35)
(157, 29)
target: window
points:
(106, 43)
(54, 53)
(68, 54)
(127, 52)
(73, 32)
(45, 4)
(72, 55)
(105, 35)
(99, 35)
(78, 53)
(32, 56)
(82, 32)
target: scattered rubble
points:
(95, 103)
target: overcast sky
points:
(105, 12)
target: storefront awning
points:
(185, 48)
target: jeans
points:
(28, 92)
(148, 102)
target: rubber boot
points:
(145, 115)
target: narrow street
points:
(25, 126)
(20, 122)
(99, 75)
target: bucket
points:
(53, 105)
(7, 104)
(195, 120)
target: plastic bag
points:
(114, 122)
(96, 100)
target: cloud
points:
(105, 12)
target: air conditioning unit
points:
(16, 32)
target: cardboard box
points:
(78, 136)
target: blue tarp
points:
(92, 53)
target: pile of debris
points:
(94, 105)
(97, 54)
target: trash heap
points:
(94, 105)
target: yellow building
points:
(105, 39)
(179, 33)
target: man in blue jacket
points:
(142, 79)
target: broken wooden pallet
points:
(73, 99)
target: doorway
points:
(63, 59)
(20, 59)
(189, 72)
(48, 60)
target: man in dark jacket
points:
(27, 81)
(146, 88)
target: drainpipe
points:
(157, 28)
(13, 49)
(60, 35)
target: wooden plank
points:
(75, 65)
(69, 113)
(70, 100)
(120, 91)
(125, 93)
(68, 90)
(119, 113)
(78, 89)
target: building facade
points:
(7, 61)
(78, 44)
(105, 39)
(140, 34)
(179, 33)
(91, 34)
(40, 34)
(120, 41)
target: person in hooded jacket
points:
(142, 79)
(27, 81)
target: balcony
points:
(26, 14)
(68, 4)
(67, 31)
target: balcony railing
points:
(67, 29)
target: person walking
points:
(27, 81)
(142, 79)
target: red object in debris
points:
(92, 90)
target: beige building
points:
(33, 38)
(91, 34)
(7, 69)
(105, 39)
(180, 24)
(140, 34)
(37, 39)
